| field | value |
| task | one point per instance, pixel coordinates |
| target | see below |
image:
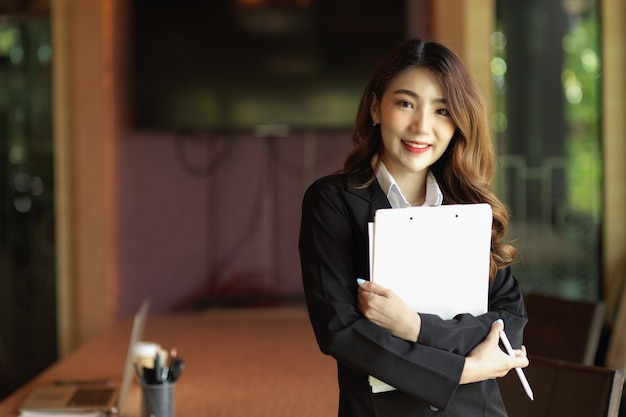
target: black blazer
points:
(334, 252)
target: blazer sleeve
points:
(462, 333)
(333, 250)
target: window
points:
(546, 73)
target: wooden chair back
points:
(562, 329)
(563, 389)
(616, 351)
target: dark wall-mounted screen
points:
(201, 65)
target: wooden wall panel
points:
(613, 27)
(83, 163)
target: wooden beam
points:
(466, 27)
(613, 33)
(83, 170)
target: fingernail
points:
(500, 321)
(360, 281)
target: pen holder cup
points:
(157, 400)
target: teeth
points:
(417, 145)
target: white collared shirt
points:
(434, 196)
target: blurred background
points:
(160, 150)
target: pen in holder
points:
(144, 353)
(157, 385)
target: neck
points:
(413, 188)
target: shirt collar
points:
(434, 196)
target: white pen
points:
(520, 373)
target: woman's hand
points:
(488, 361)
(384, 308)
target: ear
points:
(375, 109)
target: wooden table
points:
(249, 362)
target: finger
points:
(494, 333)
(499, 324)
(519, 353)
(380, 290)
(364, 285)
(522, 361)
(374, 288)
(362, 288)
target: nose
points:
(421, 121)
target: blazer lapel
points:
(369, 199)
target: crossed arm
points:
(486, 361)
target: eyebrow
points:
(415, 95)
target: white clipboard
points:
(435, 258)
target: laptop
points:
(84, 396)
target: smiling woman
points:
(415, 127)
(421, 137)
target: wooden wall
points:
(614, 153)
(85, 136)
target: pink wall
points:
(192, 207)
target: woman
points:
(421, 138)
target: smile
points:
(415, 146)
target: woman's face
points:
(415, 124)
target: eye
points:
(443, 112)
(406, 104)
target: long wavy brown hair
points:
(465, 170)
